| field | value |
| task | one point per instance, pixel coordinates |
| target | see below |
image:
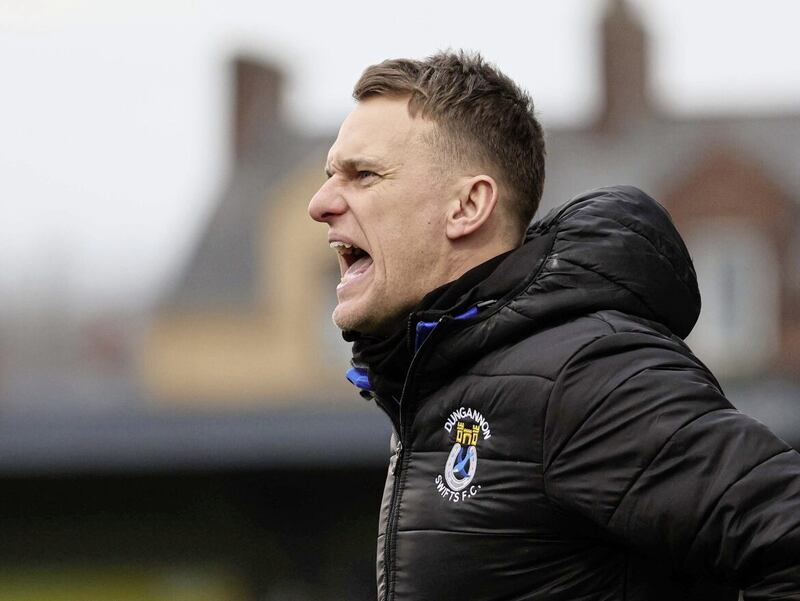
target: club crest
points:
(467, 427)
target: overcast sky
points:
(113, 115)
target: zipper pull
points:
(397, 448)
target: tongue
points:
(357, 268)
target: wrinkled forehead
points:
(380, 127)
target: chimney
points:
(625, 53)
(256, 104)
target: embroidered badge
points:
(468, 426)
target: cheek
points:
(406, 251)
(410, 271)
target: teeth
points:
(344, 248)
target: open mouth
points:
(353, 261)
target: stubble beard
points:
(375, 319)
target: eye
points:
(366, 174)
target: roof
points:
(659, 150)
(224, 270)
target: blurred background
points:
(174, 421)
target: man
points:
(554, 436)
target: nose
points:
(327, 203)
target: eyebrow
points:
(355, 164)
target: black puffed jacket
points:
(557, 440)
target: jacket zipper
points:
(397, 470)
(397, 450)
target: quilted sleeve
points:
(640, 440)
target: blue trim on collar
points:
(424, 328)
(468, 313)
(359, 377)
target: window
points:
(737, 333)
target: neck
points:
(469, 256)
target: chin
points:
(357, 319)
(347, 317)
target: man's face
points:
(386, 197)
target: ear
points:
(475, 202)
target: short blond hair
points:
(481, 116)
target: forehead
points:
(379, 127)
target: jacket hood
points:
(607, 249)
(617, 248)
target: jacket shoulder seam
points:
(550, 396)
(599, 404)
(510, 375)
(669, 439)
(597, 315)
